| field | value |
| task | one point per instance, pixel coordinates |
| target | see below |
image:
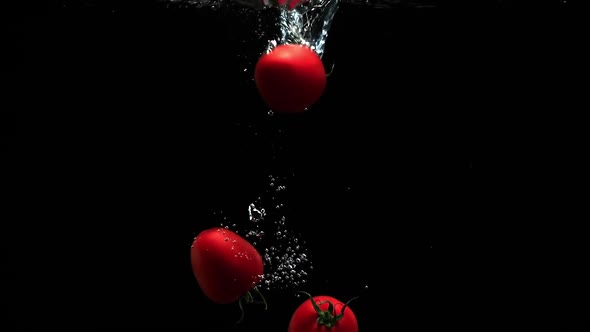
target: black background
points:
(137, 122)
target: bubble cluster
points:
(286, 260)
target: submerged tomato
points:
(225, 265)
(323, 314)
(290, 78)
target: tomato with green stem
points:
(322, 314)
(227, 267)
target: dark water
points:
(139, 125)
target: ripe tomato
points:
(291, 4)
(290, 78)
(322, 314)
(225, 265)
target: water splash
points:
(308, 24)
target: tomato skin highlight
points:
(305, 317)
(290, 78)
(225, 265)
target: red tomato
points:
(226, 265)
(328, 314)
(290, 78)
(292, 3)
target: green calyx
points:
(328, 317)
(248, 298)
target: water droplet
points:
(226, 239)
(366, 286)
(234, 241)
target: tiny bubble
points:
(366, 286)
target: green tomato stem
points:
(327, 318)
(247, 299)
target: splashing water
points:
(307, 24)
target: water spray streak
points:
(308, 24)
